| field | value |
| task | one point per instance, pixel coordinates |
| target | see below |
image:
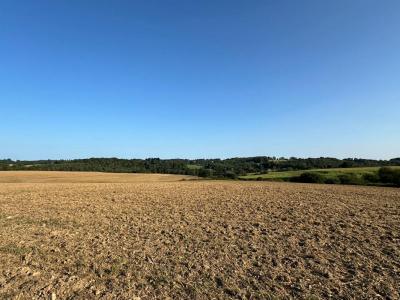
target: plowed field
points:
(109, 236)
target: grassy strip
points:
(360, 176)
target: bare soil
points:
(147, 238)
(84, 177)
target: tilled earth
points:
(198, 240)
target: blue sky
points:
(196, 79)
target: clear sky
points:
(196, 79)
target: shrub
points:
(371, 177)
(351, 178)
(389, 175)
(332, 180)
(205, 173)
(230, 175)
(386, 174)
(309, 177)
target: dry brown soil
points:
(125, 236)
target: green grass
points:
(328, 173)
(14, 249)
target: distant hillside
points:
(216, 168)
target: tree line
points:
(212, 168)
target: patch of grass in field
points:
(327, 173)
(14, 249)
(24, 221)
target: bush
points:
(351, 178)
(309, 177)
(389, 175)
(332, 180)
(205, 173)
(396, 180)
(230, 175)
(386, 174)
(371, 177)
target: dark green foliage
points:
(309, 177)
(371, 177)
(332, 180)
(230, 175)
(389, 175)
(385, 176)
(205, 172)
(351, 178)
